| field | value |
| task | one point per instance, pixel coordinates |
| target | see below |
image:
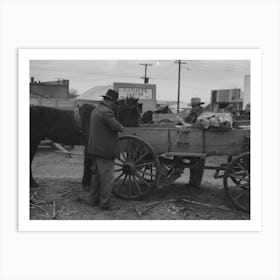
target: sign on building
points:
(141, 93)
(145, 92)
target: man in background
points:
(196, 110)
(103, 148)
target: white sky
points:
(198, 77)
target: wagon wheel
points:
(237, 181)
(136, 171)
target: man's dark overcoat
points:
(103, 135)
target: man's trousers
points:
(102, 182)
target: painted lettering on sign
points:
(141, 93)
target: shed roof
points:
(94, 93)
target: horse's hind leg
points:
(33, 148)
(87, 174)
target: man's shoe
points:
(105, 207)
(86, 188)
(86, 200)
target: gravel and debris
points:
(59, 179)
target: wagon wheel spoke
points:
(144, 164)
(137, 186)
(117, 170)
(134, 150)
(140, 147)
(238, 177)
(146, 173)
(119, 177)
(237, 182)
(148, 170)
(118, 164)
(243, 168)
(240, 194)
(244, 186)
(128, 150)
(123, 151)
(141, 157)
(142, 180)
(121, 185)
(124, 159)
(129, 186)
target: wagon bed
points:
(167, 138)
(152, 155)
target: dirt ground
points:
(59, 178)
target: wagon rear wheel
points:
(237, 181)
(136, 171)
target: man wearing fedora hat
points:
(195, 111)
(103, 148)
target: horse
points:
(128, 112)
(147, 117)
(71, 127)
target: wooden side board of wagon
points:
(152, 155)
(169, 138)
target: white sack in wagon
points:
(215, 120)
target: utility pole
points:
(146, 79)
(179, 83)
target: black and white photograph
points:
(139, 139)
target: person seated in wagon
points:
(196, 172)
(196, 110)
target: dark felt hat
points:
(196, 101)
(112, 95)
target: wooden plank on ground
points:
(60, 148)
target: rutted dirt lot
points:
(59, 178)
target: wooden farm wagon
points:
(151, 153)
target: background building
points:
(52, 89)
(223, 97)
(93, 95)
(145, 92)
(247, 91)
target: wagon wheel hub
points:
(129, 168)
